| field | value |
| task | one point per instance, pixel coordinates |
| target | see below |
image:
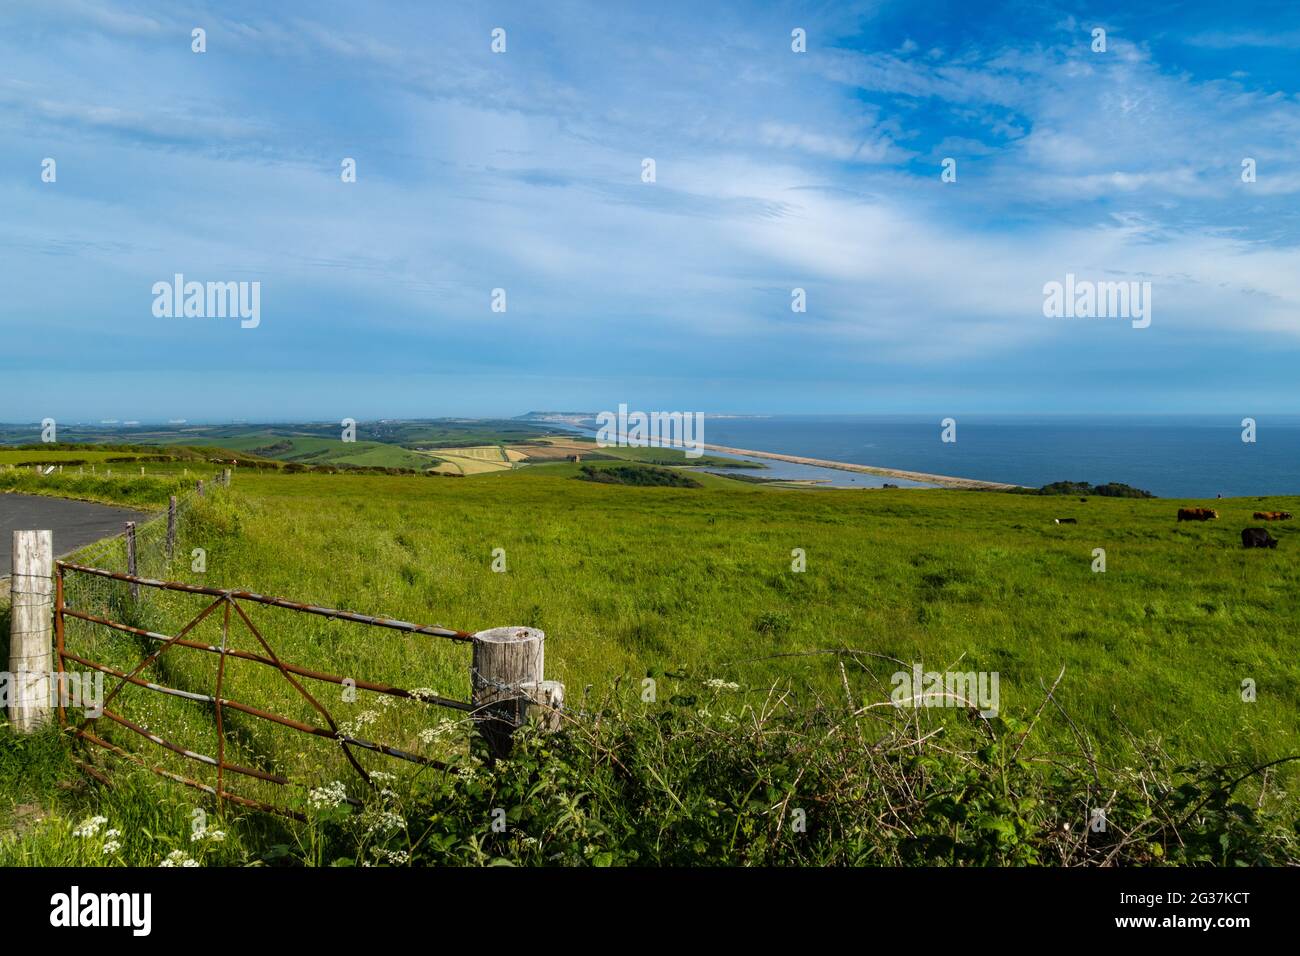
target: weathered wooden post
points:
(130, 558)
(546, 703)
(506, 679)
(171, 527)
(199, 488)
(225, 477)
(29, 630)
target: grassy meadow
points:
(633, 581)
(694, 589)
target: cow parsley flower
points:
(90, 827)
(179, 858)
(430, 734)
(203, 833)
(384, 821)
(354, 727)
(329, 796)
(717, 683)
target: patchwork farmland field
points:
(475, 460)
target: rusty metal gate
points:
(228, 604)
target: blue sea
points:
(1170, 456)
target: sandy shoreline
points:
(946, 481)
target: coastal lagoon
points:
(773, 470)
(1170, 456)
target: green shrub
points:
(643, 475)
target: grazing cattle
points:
(1196, 514)
(1067, 520)
(1272, 516)
(1257, 538)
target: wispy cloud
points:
(522, 171)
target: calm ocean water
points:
(1173, 456)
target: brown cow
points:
(1272, 516)
(1197, 514)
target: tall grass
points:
(122, 488)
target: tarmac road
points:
(74, 523)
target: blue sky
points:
(522, 171)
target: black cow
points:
(1257, 538)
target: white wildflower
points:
(90, 827)
(329, 796)
(384, 821)
(178, 858)
(445, 726)
(718, 684)
(354, 727)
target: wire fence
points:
(151, 545)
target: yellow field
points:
(554, 450)
(473, 460)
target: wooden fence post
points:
(546, 703)
(199, 488)
(506, 679)
(29, 630)
(225, 477)
(130, 558)
(171, 527)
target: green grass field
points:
(629, 581)
(316, 450)
(687, 586)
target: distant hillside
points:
(568, 418)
